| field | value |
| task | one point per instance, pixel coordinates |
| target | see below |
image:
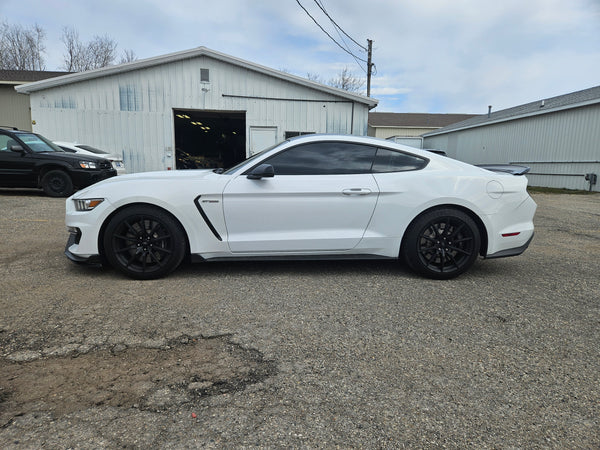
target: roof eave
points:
(508, 119)
(187, 54)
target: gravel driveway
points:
(301, 354)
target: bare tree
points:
(79, 57)
(74, 49)
(314, 77)
(128, 56)
(21, 48)
(347, 81)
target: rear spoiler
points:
(512, 169)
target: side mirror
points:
(262, 171)
(17, 149)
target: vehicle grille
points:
(106, 165)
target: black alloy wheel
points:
(57, 183)
(441, 244)
(144, 242)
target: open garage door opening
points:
(208, 139)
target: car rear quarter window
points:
(324, 158)
(392, 161)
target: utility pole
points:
(369, 65)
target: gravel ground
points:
(301, 354)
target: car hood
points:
(143, 180)
(165, 175)
(65, 156)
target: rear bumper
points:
(510, 251)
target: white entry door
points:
(261, 138)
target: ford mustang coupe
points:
(316, 196)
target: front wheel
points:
(57, 183)
(144, 242)
(441, 244)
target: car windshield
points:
(251, 158)
(92, 149)
(39, 144)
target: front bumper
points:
(85, 178)
(93, 260)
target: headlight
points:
(87, 204)
(87, 165)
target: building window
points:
(130, 98)
(291, 134)
(65, 103)
(204, 76)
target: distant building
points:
(14, 107)
(195, 108)
(385, 125)
(558, 137)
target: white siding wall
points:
(90, 111)
(387, 132)
(563, 144)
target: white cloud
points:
(431, 56)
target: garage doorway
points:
(209, 139)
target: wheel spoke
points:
(461, 250)
(465, 239)
(131, 259)
(155, 225)
(124, 237)
(126, 249)
(156, 259)
(456, 231)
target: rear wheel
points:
(57, 183)
(441, 244)
(144, 242)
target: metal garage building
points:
(195, 108)
(559, 138)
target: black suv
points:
(30, 160)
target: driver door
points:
(321, 198)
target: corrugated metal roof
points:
(418, 120)
(188, 54)
(544, 106)
(26, 76)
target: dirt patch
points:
(142, 378)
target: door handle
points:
(356, 191)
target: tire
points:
(57, 183)
(144, 242)
(441, 244)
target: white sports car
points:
(316, 196)
(82, 149)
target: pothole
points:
(144, 378)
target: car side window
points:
(392, 161)
(4, 142)
(324, 158)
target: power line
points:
(338, 29)
(330, 37)
(320, 5)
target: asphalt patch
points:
(124, 377)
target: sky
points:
(430, 56)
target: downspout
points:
(352, 120)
